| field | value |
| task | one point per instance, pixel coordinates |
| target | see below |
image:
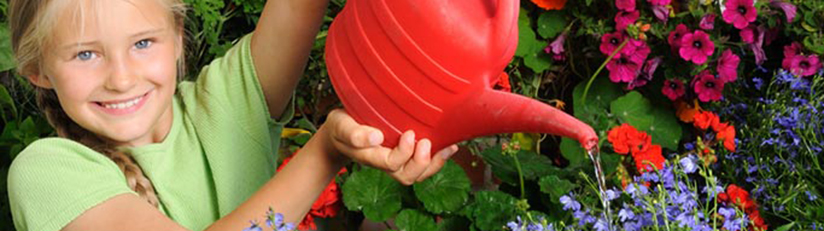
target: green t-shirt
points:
(221, 148)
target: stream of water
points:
(595, 156)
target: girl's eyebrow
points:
(147, 32)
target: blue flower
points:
(688, 164)
(728, 213)
(757, 83)
(254, 227)
(626, 214)
(570, 203)
(811, 197)
(612, 194)
(601, 225)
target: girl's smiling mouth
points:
(123, 107)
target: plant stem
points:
(520, 175)
(594, 75)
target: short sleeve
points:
(55, 180)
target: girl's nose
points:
(123, 75)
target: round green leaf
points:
(414, 220)
(374, 192)
(447, 191)
(492, 210)
(658, 122)
(572, 151)
(551, 23)
(555, 186)
(538, 61)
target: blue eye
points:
(143, 44)
(85, 55)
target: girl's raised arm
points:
(281, 44)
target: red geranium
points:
(705, 119)
(741, 198)
(327, 205)
(626, 139)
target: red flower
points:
(626, 139)
(550, 4)
(726, 133)
(327, 205)
(739, 197)
(503, 83)
(705, 119)
(648, 157)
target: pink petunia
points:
(659, 2)
(747, 34)
(661, 12)
(696, 47)
(707, 22)
(611, 41)
(790, 51)
(708, 87)
(625, 5)
(757, 45)
(673, 89)
(625, 18)
(788, 8)
(674, 38)
(622, 68)
(803, 66)
(739, 13)
(728, 66)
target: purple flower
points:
(659, 2)
(623, 68)
(728, 213)
(811, 196)
(625, 18)
(556, 48)
(674, 38)
(688, 164)
(804, 66)
(646, 73)
(696, 47)
(673, 89)
(661, 12)
(625, 5)
(728, 66)
(253, 227)
(708, 87)
(788, 8)
(626, 214)
(570, 203)
(707, 22)
(739, 13)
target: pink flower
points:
(707, 22)
(708, 87)
(625, 18)
(803, 66)
(673, 89)
(659, 2)
(556, 48)
(674, 38)
(728, 66)
(661, 12)
(739, 13)
(790, 52)
(611, 41)
(788, 8)
(696, 47)
(756, 45)
(622, 68)
(747, 34)
(625, 5)
(646, 73)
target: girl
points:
(140, 151)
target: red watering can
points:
(429, 65)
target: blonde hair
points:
(32, 23)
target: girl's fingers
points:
(438, 160)
(349, 132)
(401, 154)
(408, 174)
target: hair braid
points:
(47, 102)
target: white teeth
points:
(123, 105)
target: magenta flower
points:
(556, 48)
(673, 89)
(611, 41)
(625, 18)
(646, 73)
(708, 87)
(661, 12)
(790, 51)
(659, 2)
(728, 66)
(674, 38)
(622, 68)
(788, 8)
(739, 13)
(707, 22)
(756, 45)
(803, 66)
(625, 5)
(747, 34)
(696, 47)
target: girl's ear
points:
(40, 80)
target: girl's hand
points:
(408, 163)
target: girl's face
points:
(114, 69)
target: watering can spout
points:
(504, 112)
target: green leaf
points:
(6, 102)
(572, 151)
(445, 192)
(785, 227)
(492, 210)
(658, 122)
(413, 220)
(374, 192)
(600, 94)
(454, 224)
(6, 53)
(551, 23)
(555, 187)
(533, 165)
(527, 42)
(538, 61)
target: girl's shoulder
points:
(54, 156)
